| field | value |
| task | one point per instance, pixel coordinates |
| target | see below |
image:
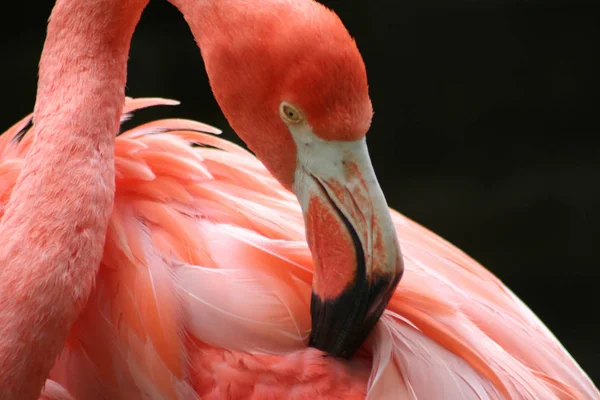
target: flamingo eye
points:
(290, 114)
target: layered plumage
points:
(204, 291)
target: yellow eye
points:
(289, 113)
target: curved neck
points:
(193, 12)
(84, 65)
(55, 223)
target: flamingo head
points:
(293, 85)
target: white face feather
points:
(326, 160)
(320, 161)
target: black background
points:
(486, 128)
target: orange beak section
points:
(357, 259)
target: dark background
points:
(486, 128)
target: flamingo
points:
(140, 267)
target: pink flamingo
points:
(141, 267)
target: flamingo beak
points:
(355, 250)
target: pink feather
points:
(204, 290)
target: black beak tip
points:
(341, 325)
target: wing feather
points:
(203, 241)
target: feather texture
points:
(204, 290)
(54, 391)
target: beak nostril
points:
(358, 246)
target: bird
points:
(164, 262)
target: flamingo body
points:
(141, 267)
(205, 283)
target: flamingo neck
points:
(196, 14)
(54, 226)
